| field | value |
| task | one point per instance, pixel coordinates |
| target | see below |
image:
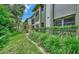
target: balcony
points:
(37, 18)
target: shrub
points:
(71, 44)
(55, 43)
(4, 36)
(3, 41)
(52, 44)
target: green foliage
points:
(3, 41)
(4, 38)
(4, 16)
(7, 25)
(57, 44)
(62, 28)
(37, 6)
(3, 30)
(19, 44)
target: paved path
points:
(39, 47)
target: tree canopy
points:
(5, 16)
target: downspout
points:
(52, 18)
(76, 13)
(53, 15)
(76, 21)
(45, 16)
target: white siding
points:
(61, 10)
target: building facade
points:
(60, 14)
(39, 16)
(55, 15)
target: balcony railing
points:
(37, 18)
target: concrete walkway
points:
(38, 47)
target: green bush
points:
(55, 43)
(52, 44)
(64, 27)
(3, 41)
(5, 33)
(71, 44)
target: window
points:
(42, 24)
(69, 21)
(32, 27)
(32, 21)
(37, 17)
(64, 21)
(37, 13)
(57, 22)
(37, 27)
(42, 9)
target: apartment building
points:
(48, 15)
(55, 15)
(60, 14)
(38, 17)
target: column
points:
(77, 18)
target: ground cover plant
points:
(56, 43)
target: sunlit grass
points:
(19, 44)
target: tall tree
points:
(5, 16)
(17, 11)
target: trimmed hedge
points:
(64, 27)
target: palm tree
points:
(38, 6)
(17, 11)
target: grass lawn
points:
(19, 44)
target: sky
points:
(28, 11)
